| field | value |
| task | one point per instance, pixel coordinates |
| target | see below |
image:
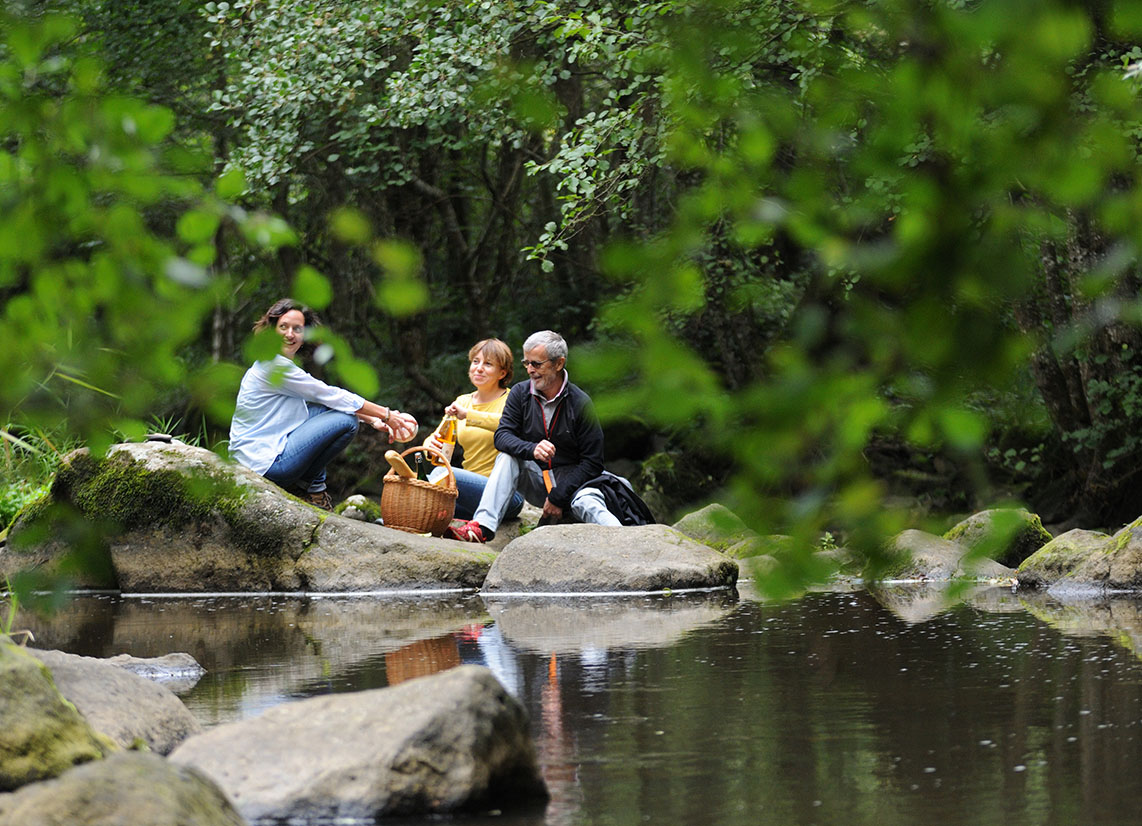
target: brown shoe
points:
(320, 499)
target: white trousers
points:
(510, 474)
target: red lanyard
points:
(547, 480)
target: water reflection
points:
(889, 707)
(561, 625)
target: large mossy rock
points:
(128, 788)
(128, 708)
(1007, 535)
(1088, 560)
(449, 742)
(41, 734)
(715, 525)
(183, 520)
(1062, 557)
(925, 556)
(593, 558)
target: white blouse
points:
(272, 404)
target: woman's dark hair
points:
(269, 320)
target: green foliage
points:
(16, 495)
(917, 152)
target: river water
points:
(881, 707)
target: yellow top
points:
(475, 432)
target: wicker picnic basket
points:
(415, 506)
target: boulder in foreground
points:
(592, 558)
(126, 707)
(128, 788)
(41, 734)
(449, 742)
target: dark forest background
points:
(843, 266)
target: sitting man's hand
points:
(544, 451)
(551, 512)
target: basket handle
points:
(444, 463)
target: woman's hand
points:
(456, 410)
(434, 442)
(377, 423)
(402, 425)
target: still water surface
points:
(886, 707)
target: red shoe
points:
(469, 532)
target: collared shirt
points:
(549, 405)
(272, 404)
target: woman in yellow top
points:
(478, 416)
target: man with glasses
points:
(550, 446)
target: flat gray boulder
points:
(129, 709)
(1007, 535)
(129, 788)
(925, 556)
(449, 742)
(184, 520)
(593, 558)
(41, 735)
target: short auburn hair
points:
(497, 353)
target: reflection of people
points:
(288, 425)
(478, 416)
(551, 450)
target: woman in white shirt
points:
(288, 425)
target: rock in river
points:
(128, 788)
(452, 741)
(41, 734)
(181, 519)
(1007, 535)
(926, 556)
(126, 707)
(591, 558)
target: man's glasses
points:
(528, 364)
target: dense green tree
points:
(797, 231)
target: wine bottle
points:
(421, 465)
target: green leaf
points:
(358, 376)
(312, 288)
(350, 225)
(231, 184)
(197, 226)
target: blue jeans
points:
(470, 487)
(310, 447)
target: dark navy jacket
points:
(574, 430)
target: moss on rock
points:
(1006, 535)
(1063, 556)
(43, 735)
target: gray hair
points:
(552, 344)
